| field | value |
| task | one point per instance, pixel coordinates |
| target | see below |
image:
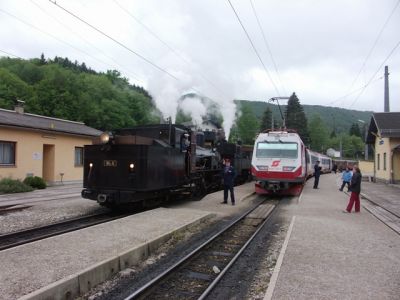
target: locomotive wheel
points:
(199, 190)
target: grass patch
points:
(36, 182)
(8, 186)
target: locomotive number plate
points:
(110, 163)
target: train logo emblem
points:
(110, 163)
(275, 163)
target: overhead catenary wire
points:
(374, 44)
(354, 91)
(135, 76)
(174, 51)
(116, 41)
(376, 72)
(10, 54)
(267, 45)
(254, 48)
(49, 34)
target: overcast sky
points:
(319, 47)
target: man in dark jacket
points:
(317, 173)
(229, 180)
(355, 188)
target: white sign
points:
(37, 156)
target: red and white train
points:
(281, 162)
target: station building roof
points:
(386, 124)
(14, 119)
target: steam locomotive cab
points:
(136, 164)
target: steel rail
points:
(229, 265)
(162, 275)
(34, 234)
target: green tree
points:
(182, 117)
(355, 130)
(295, 118)
(247, 125)
(266, 121)
(318, 134)
(70, 90)
(352, 146)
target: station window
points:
(78, 156)
(7, 153)
(384, 161)
(378, 159)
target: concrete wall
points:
(43, 154)
(366, 167)
(382, 146)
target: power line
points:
(165, 44)
(135, 76)
(122, 45)
(48, 34)
(254, 48)
(267, 45)
(379, 68)
(5, 52)
(116, 41)
(375, 43)
(354, 91)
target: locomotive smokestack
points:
(386, 97)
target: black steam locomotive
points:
(156, 161)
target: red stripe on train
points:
(276, 175)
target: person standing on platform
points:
(228, 176)
(317, 173)
(355, 188)
(334, 168)
(346, 177)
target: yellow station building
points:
(34, 145)
(384, 136)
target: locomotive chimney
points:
(386, 97)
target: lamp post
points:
(365, 139)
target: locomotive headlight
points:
(104, 137)
(131, 166)
(262, 168)
(91, 165)
(288, 169)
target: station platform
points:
(68, 265)
(329, 254)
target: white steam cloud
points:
(194, 107)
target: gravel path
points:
(47, 212)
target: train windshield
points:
(276, 150)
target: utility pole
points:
(386, 95)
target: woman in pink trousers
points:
(355, 188)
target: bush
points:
(35, 182)
(8, 185)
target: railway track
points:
(30, 235)
(196, 275)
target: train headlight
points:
(288, 169)
(104, 137)
(131, 167)
(91, 165)
(262, 168)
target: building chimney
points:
(19, 108)
(387, 108)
